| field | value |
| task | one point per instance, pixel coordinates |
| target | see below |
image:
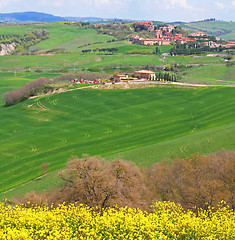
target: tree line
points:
(41, 85)
(195, 182)
(25, 92)
(81, 75)
(101, 50)
(117, 30)
(166, 76)
(193, 48)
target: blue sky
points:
(163, 10)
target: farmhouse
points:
(146, 74)
(197, 34)
(149, 41)
(118, 78)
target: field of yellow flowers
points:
(166, 221)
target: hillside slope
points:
(29, 17)
(222, 29)
(107, 122)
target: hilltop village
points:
(172, 34)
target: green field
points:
(108, 122)
(142, 125)
(74, 39)
(224, 30)
(61, 35)
(216, 74)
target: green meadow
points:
(216, 74)
(74, 39)
(225, 30)
(142, 125)
(109, 122)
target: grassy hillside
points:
(61, 35)
(225, 30)
(143, 125)
(107, 122)
(74, 39)
(211, 74)
(206, 141)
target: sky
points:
(162, 10)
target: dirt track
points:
(133, 85)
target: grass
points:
(44, 183)
(143, 125)
(217, 74)
(225, 30)
(61, 35)
(106, 122)
(129, 46)
(206, 141)
(74, 40)
(11, 84)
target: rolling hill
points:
(19, 17)
(159, 122)
(143, 125)
(29, 17)
(222, 29)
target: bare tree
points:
(29, 89)
(196, 181)
(96, 182)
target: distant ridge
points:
(18, 17)
(84, 19)
(29, 17)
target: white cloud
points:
(219, 5)
(169, 4)
(4, 3)
(180, 3)
(58, 3)
(233, 3)
(103, 3)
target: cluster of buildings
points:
(149, 25)
(163, 35)
(141, 74)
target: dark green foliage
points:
(118, 30)
(38, 71)
(139, 28)
(101, 50)
(192, 48)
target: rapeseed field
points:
(166, 221)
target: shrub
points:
(29, 89)
(168, 67)
(196, 181)
(96, 182)
(81, 75)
